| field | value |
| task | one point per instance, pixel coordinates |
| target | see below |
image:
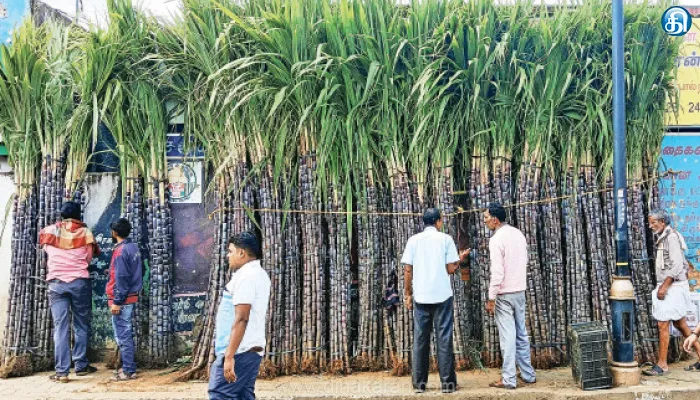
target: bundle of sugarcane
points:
(159, 244)
(472, 307)
(527, 221)
(578, 300)
(481, 195)
(50, 199)
(593, 219)
(369, 264)
(36, 103)
(54, 130)
(339, 278)
(17, 346)
(641, 273)
(553, 262)
(387, 256)
(293, 282)
(314, 322)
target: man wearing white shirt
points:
(429, 259)
(240, 322)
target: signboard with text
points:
(687, 79)
(680, 191)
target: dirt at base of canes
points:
(17, 366)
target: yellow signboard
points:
(688, 81)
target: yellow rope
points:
(408, 214)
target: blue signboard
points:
(11, 14)
(175, 147)
(680, 191)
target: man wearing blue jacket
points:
(125, 281)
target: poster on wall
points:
(680, 192)
(687, 81)
(185, 181)
(11, 14)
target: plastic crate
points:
(588, 353)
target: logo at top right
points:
(676, 21)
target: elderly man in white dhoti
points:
(671, 298)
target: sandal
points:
(499, 385)
(59, 378)
(122, 376)
(655, 371)
(693, 367)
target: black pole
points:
(622, 298)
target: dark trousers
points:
(440, 317)
(124, 336)
(246, 368)
(65, 298)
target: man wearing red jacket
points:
(123, 287)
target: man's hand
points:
(661, 294)
(690, 342)
(464, 254)
(491, 307)
(229, 369)
(115, 309)
(408, 301)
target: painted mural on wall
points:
(680, 191)
(194, 239)
(103, 205)
(185, 181)
(11, 14)
(186, 308)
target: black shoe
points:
(85, 371)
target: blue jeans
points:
(246, 368)
(440, 317)
(65, 298)
(124, 336)
(515, 343)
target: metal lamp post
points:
(625, 370)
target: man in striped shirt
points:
(70, 246)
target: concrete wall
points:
(7, 188)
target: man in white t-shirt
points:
(240, 322)
(429, 259)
